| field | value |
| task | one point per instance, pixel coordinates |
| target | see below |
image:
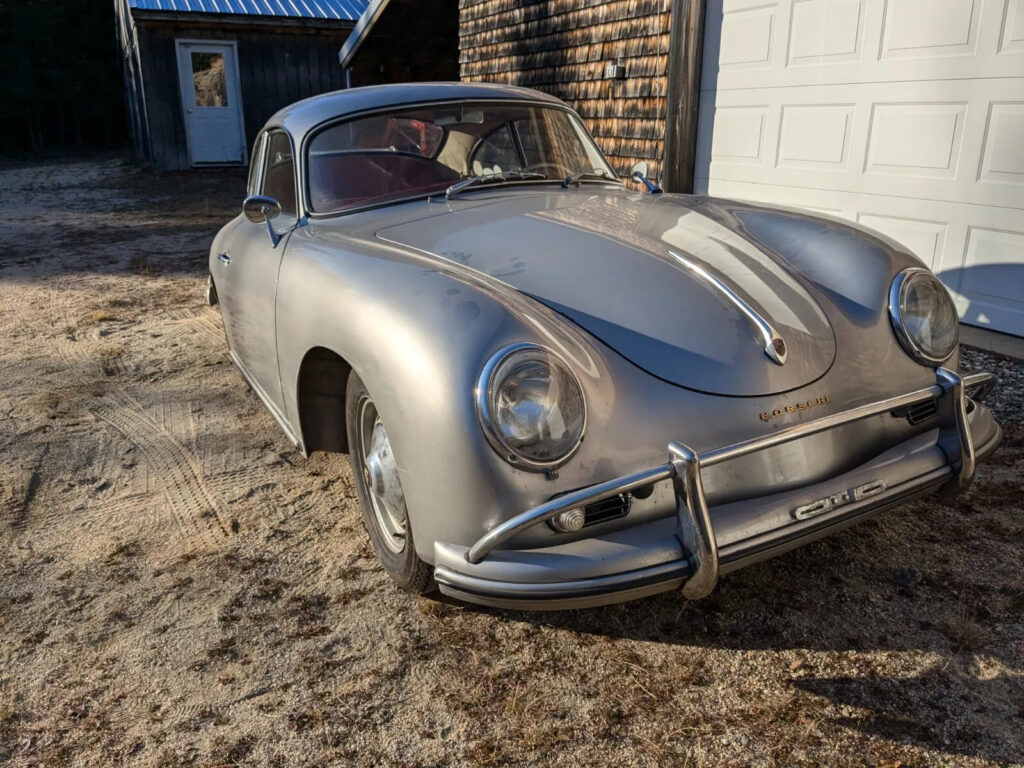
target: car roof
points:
(302, 116)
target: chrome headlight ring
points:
(496, 407)
(930, 337)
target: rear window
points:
(383, 133)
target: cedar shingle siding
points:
(563, 47)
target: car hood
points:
(622, 266)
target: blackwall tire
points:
(381, 508)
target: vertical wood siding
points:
(563, 47)
(132, 69)
(275, 68)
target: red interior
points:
(350, 179)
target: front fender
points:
(418, 335)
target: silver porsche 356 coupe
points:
(556, 391)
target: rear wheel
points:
(385, 514)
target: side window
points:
(495, 154)
(279, 172)
(254, 166)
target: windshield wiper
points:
(490, 178)
(591, 173)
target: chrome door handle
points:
(224, 258)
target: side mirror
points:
(638, 173)
(260, 208)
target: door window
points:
(208, 79)
(279, 172)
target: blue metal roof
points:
(344, 10)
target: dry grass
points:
(101, 316)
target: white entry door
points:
(211, 101)
(904, 115)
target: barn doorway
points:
(211, 102)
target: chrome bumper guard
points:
(684, 466)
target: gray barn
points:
(202, 76)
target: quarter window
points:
(279, 172)
(254, 166)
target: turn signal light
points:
(568, 521)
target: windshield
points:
(422, 151)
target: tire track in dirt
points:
(196, 511)
(199, 320)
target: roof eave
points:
(238, 19)
(361, 31)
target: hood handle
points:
(771, 341)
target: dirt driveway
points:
(178, 586)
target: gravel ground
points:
(178, 586)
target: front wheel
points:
(385, 514)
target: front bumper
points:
(683, 552)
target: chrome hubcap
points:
(380, 473)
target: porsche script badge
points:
(803, 405)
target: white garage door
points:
(904, 115)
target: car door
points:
(247, 279)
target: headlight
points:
(923, 316)
(531, 407)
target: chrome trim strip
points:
(545, 511)
(734, 451)
(981, 382)
(973, 379)
(773, 344)
(684, 468)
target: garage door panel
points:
(808, 42)
(748, 38)
(916, 140)
(815, 136)
(739, 134)
(826, 32)
(930, 28)
(1011, 38)
(1003, 149)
